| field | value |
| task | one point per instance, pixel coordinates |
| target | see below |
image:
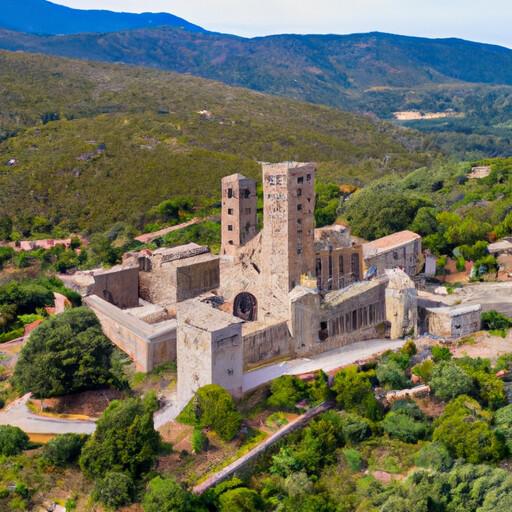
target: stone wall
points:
(356, 314)
(454, 322)
(119, 286)
(338, 268)
(263, 343)
(168, 282)
(147, 345)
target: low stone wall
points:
(243, 462)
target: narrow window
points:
(299, 207)
(230, 193)
(230, 211)
(300, 180)
(230, 228)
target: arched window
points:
(246, 307)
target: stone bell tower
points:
(239, 213)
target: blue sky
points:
(486, 21)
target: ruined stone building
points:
(283, 291)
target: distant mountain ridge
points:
(42, 17)
(319, 69)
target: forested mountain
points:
(465, 84)
(90, 144)
(42, 17)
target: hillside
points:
(467, 84)
(42, 17)
(320, 69)
(95, 143)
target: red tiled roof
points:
(389, 242)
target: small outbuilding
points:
(454, 322)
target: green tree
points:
(354, 392)
(213, 407)
(26, 295)
(285, 392)
(465, 429)
(425, 222)
(449, 380)
(240, 500)
(5, 227)
(64, 449)
(166, 495)
(391, 375)
(125, 440)
(65, 354)
(114, 490)
(12, 440)
(355, 428)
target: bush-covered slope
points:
(95, 143)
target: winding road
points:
(19, 415)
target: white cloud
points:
(469, 19)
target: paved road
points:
(327, 362)
(18, 415)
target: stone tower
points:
(289, 224)
(239, 212)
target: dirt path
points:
(149, 237)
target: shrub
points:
(114, 490)
(240, 500)
(449, 380)
(403, 427)
(125, 440)
(199, 440)
(355, 428)
(464, 428)
(503, 422)
(12, 440)
(318, 389)
(166, 495)
(391, 375)
(213, 407)
(354, 392)
(424, 370)
(440, 353)
(64, 449)
(65, 354)
(435, 456)
(494, 321)
(285, 392)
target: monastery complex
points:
(287, 290)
